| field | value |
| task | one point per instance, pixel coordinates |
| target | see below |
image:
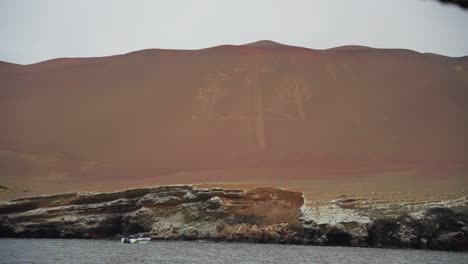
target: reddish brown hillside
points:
(153, 112)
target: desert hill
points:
(157, 112)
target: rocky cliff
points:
(267, 215)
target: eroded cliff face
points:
(268, 215)
(171, 212)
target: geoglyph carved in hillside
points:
(286, 103)
(214, 88)
(294, 91)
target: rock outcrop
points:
(265, 215)
(172, 212)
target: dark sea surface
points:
(112, 251)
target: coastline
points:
(260, 215)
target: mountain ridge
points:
(256, 44)
(148, 113)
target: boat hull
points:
(142, 240)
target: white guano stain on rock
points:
(331, 214)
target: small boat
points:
(138, 240)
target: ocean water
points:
(112, 251)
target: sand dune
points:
(160, 112)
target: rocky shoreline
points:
(262, 215)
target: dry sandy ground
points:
(381, 188)
(349, 121)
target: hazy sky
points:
(32, 31)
